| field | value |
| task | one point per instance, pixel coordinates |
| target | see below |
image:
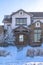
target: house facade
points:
(24, 28)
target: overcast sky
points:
(9, 6)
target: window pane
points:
(37, 35)
(21, 38)
(21, 21)
(37, 31)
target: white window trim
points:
(37, 24)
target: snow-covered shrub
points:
(34, 52)
(4, 44)
(41, 52)
(38, 52)
(30, 52)
(4, 53)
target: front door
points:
(21, 39)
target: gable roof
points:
(21, 10)
(34, 14)
(35, 22)
(37, 14)
(22, 28)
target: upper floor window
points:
(21, 21)
(37, 24)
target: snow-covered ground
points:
(17, 56)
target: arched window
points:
(37, 24)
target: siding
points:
(1, 34)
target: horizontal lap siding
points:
(1, 34)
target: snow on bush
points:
(34, 52)
(4, 53)
(18, 55)
(30, 52)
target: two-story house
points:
(24, 27)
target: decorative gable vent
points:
(37, 24)
(21, 13)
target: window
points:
(21, 21)
(37, 35)
(37, 24)
(21, 38)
